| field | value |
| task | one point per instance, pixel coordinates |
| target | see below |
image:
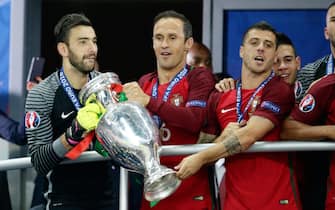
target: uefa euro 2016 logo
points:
(32, 120)
(307, 104)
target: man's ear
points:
(325, 31)
(62, 49)
(188, 44)
(241, 51)
(298, 60)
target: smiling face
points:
(169, 44)
(286, 63)
(258, 51)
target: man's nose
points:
(282, 65)
(93, 47)
(260, 47)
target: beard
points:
(79, 64)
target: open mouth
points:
(284, 75)
(259, 59)
(165, 54)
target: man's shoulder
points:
(199, 74)
(313, 66)
(309, 73)
(147, 77)
(325, 83)
(278, 88)
(277, 83)
(45, 87)
(200, 70)
(51, 81)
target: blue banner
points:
(4, 52)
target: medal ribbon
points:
(68, 89)
(83, 145)
(239, 97)
(154, 92)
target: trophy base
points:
(161, 186)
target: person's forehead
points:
(285, 50)
(166, 25)
(261, 34)
(331, 12)
(82, 32)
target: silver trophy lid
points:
(99, 85)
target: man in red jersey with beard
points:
(314, 119)
(176, 96)
(251, 112)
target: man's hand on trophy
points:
(87, 120)
(189, 166)
(135, 93)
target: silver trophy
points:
(131, 138)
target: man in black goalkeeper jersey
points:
(56, 122)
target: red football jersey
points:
(258, 180)
(318, 108)
(182, 116)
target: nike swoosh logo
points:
(227, 110)
(64, 116)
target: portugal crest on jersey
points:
(177, 99)
(32, 120)
(307, 104)
(254, 105)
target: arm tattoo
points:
(232, 145)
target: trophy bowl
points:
(101, 86)
(131, 138)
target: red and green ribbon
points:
(82, 146)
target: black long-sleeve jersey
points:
(49, 112)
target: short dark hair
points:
(283, 39)
(203, 47)
(173, 14)
(331, 5)
(263, 26)
(66, 23)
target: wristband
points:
(75, 131)
(66, 144)
(72, 142)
